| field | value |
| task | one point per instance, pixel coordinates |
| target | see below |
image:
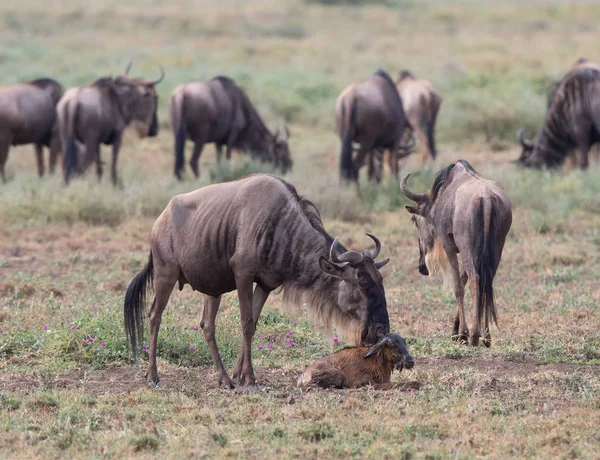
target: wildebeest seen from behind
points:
(219, 111)
(421, 103)
(27, 116)
(257, 229)
(370, 113)
(470, 215)
(98, 114)
(572, 121)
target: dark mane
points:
(383, 74)
(103, 82)
(43, 82)
(406, 74)
(440, 182)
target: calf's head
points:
(360, 294)
(397, 346)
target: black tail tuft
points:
(70, 159)
(346, 163)
(486, 263)
(430, 133)
(133, 308)
(180, 136)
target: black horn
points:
(373, 253)
(416, 197)
(287, 132)
(521, 138)
(159, 79)
(128, 67)
(351, 257)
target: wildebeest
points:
(466, 214)
(219, 111)
(370, 113)
(27, 116)
(257, 229)
(359, 366)
(99, 113)
(421, 103)
(572, 121)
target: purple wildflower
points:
(45, 328)
(294, 323)
(90, 339)
(144, 348)
(195, 328)
(445, 325)
(73, 327)
(312, 343)
(270, 346)
(260, 347)
(335, 340)
(102, 344)
(82, 341)
(192, 347)
(289, 334)
(291, 344)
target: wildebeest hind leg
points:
(4, 147)
(163, 287)
(476, 330)
(198, 146)
(258, 301)
(39, 152)
(464, 278)
(462, 335)
(211, 307)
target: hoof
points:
(226, 383)
(487, 342)
(462, 339)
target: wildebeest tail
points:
(70, 147)
(430, 133)
(347, 133)
(486, 260)
(135, 300)
(178, 122)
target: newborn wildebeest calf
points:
(256, 230)
(360, 366)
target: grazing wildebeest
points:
(466, 214)
(27, 116)
(370, 113)
(255, 230)
(572, 121)
(421, 103)
(99, 113)
(219, 111)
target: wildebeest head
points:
(533, 154)
(397, 346)
(422, 219)
(282, 158)
(142, 99)
(361, 292)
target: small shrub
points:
(9, 402)
(145, 442)
(317, 432)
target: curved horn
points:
(128, 67)
(351, 257)
(375, 348)
(521, 138)
(159, 79)
(416, 197)
(287, 132)
(373, 253)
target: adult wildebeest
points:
(572, 121)
(255, 230)
(370, 113)
(466, 214)
(99, 113)
(27, 116)
(219, 111)
(421, 103)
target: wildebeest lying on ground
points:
(360, 366)
(27, 116)
(99, 113)
(572, 121)
(370, 113)
(466, 214)
(255, 230)
(219, 111)
(421, 103)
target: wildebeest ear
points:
(330, 268)
(412, 209)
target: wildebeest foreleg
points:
(163, 288)
(198, 146)
(4, 147)
(92, 155)
(115, 156)
(219, 149)
(258, 301)
(39, 156)
(459, 293)
(244, 284)
(211, 307)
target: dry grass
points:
(67, 254)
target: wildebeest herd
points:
(257, 234)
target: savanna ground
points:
(67, 383)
